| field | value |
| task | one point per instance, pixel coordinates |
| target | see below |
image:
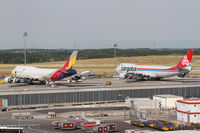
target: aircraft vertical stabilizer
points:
(71, 61)
(186, 60)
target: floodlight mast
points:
(25, 36)
(115, 54)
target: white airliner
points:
(44, 75)
(141, 72)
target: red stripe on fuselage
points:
(171, 69)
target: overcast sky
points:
(100, 23)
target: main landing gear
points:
(51, 84)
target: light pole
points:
(20, 102)
(115, 54)
(25, 36)
(13, 90)
(120, 95)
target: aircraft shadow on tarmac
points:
(77, 84)
(63, 84)
(181, 80)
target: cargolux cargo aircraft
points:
(141, 72)
(43, 75)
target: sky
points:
(86, 24)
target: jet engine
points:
(132, 76)
(12, 80)
(129, 76)
(8, 79)
(122, 75)
(16, 80)
(76, 78)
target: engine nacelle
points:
(122, 76)
(76, 78)
(12, 80)
(131, 76)
(8, 79)
(16, 80)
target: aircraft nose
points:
(13, 72)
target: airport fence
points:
(91, 96)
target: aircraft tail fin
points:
(186, 60)
(71, 61)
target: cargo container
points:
(77, 123)
(54, 124)
(101, 129)
(167, 101)
(85, 123)
(134, 131)
(130, 131)
(60, 123)
(96, 128)
(112, 127)
(83, 127)
(89, 128)
(4, 104)
(67, 125)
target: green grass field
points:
(107, 64)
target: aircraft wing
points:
(81, 75)
(46, 77)
(138, 75)
(85, 72)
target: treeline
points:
(16, 56)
